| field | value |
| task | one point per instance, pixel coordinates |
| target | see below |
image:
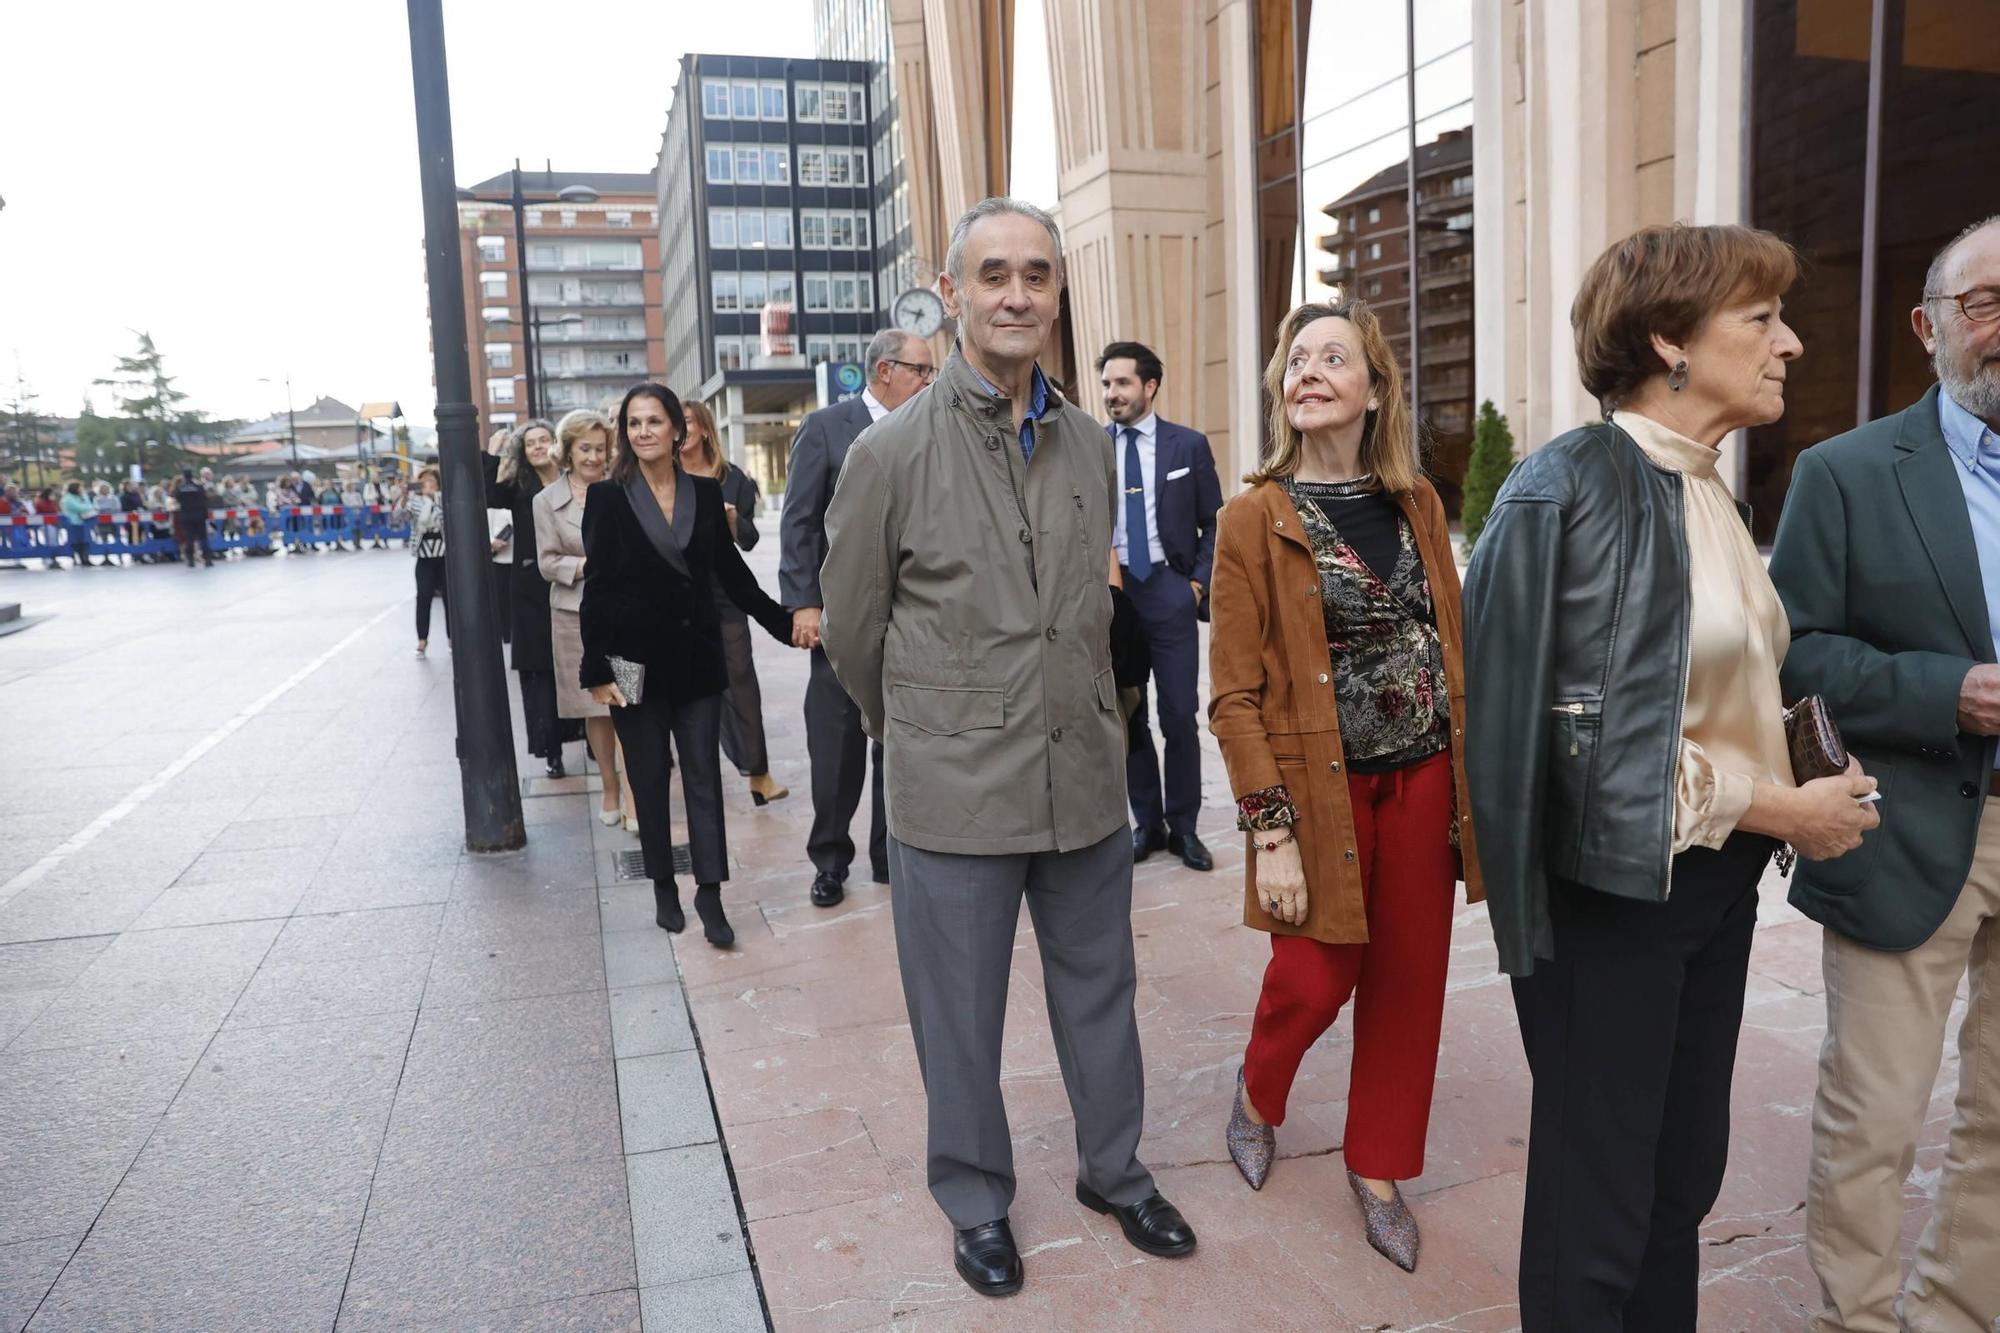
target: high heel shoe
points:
(610, 818)
(1388, 1223)
(714, 925)
(1251, 1146)
(667, 914)
(764, 789)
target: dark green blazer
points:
(1877, 568)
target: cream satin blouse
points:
(1732, 729)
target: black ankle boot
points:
(556, 769)
(667, 912)
(714, 925)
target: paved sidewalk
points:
(274, 1052)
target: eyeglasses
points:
(1981, 305)
(924, 373)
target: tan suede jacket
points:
(1272, 696)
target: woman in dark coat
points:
(657, 547)
(525, 464)
(743, 702)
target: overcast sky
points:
(239, 177)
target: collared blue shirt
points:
(1041, 405)
(1973, 443)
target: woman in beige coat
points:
(583, 453)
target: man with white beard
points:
(1888, 561)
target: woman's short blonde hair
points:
(699, 415)
(1667, 281)
(1388, 439)
(574, 425)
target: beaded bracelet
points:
(1291, 835)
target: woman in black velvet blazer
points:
(656, 549)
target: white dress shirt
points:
(1149, 430)
(875, 410)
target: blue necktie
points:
(1138, 545)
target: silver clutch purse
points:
(629, 676)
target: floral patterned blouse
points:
(1381, 631)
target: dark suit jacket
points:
(1189, 494)
(817, 455)
(639, 604)
(1878, 570)
(527, 591)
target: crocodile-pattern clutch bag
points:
(1817, 751)
(630, 678)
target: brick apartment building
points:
(593, 274)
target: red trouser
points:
(1396, 978)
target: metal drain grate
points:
(632, 863)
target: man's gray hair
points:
(1935, 274)
(887, 345)
(954, 255)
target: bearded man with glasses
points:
(1888, 563)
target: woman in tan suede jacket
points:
(1339, 701)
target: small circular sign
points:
(850, 377)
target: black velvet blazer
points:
(649, 588)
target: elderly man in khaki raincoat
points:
(968, 614)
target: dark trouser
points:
(1166, 606)
(841, 756)
(503, 596)
(79, 545)
(955, 922)
(652, 732)
(430, 583)
(538, 713)
(1631, 1036)
(193, 537)
(743, 702)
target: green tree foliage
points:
(1492, 459)
(151, 408)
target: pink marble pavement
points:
(808, 1052)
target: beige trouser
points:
(1885, 1025)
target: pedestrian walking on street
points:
(426, 524)
(1888, 562)
(1165, 539)
(583, 454)
(743, 702)
(191, 520)
(1352, 789)
(656, 547)
(513, 477)
(968, 616)
(79, 513)
(1630, 777)
(899, 367)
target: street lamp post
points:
(291, 417)
(488, 782)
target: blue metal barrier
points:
(143, 532)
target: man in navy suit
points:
(1165, 541)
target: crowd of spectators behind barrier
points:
(364, 510)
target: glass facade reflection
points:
(1936, 134)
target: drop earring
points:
(1677, 379)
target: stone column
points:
(955, 39)
(921, 130)
(1131, 82)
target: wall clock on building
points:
(920, 311)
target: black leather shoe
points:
(715, 927)
(556, 769)
(667, 912)
(827, 890)
(1152, 1224)
(1189, 849)
(986, 1257)
(1146, 841)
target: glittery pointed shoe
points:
(1251, 1146)
(1390, 1227)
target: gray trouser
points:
(743, 703)
(956, 918)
